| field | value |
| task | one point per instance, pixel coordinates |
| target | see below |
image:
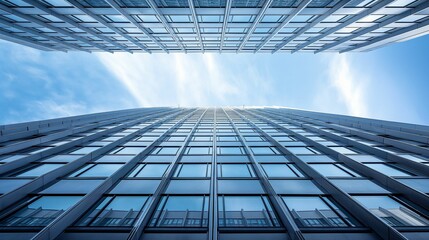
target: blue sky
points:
(388, 83)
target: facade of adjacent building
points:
(249, 26)
(214, 173)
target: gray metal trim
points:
(359, 16)
(165, 23)
(135, 23)
(27, 42)
(225, 23)
(56, 227)
(388, 182)
(258, 18)
(303, 4)
(9, 198)
(196, 24)
(389, 36)
(390, 20)
(293, 230)
(319, 19)
(108, 25)
(138, 229)
(384, 230)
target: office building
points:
(214, 173)
(232, 26)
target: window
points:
(387, 169)
(281, 170)
(301, 150)
(198, 150)
(130, 150)
(227, 139)
(230, 150)
(38, 170)
(40, 211)
(181, 211)
(343, 150)
(235, 170)
(97, 170)
(246, 211)
(264, 150)
(149, 170)
(193, 170)
(115, 211)
(317, 212)
(165, 150)
(84, 150)
(202, 139)
(254, 139)
(334, 170)
(391, 211)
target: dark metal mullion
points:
(48, 152)
(213, 203)
(137, 232)
(386, 181)
(27, 129)
(384, 230)
(374, 135)
(55, 228)
(293, 231)
(99, 213)
(71, 130)
(9, 198)
(416, 166)
(414, 129)
(66, 19)
(334, 210)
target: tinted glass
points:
(40, 212)
(235, 170)
(181, 211)
(315, 212)
(115, 211)
(39, 170)
(246, 211)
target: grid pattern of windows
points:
(211, 26)
(160, 173)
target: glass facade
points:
(211, 26)
(214, 173)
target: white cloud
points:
(187, 79)
(344, 91)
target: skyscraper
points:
(251, 26)
(216, 173)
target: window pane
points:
(391, 211)
(332, 170)
(193, 170)
(230, 150)
(264, 150)
(101, 170)
(315, 212)
(150, 170)
(278, 170)
(246, 211)
(198, 150)
(300, 150)
(39, 170)
(40, 212)
(181, 211)
(235, 170)
(387, 170)
(130, 150)
(121, 211)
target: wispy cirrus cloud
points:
(187, 79)
(345, 89)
